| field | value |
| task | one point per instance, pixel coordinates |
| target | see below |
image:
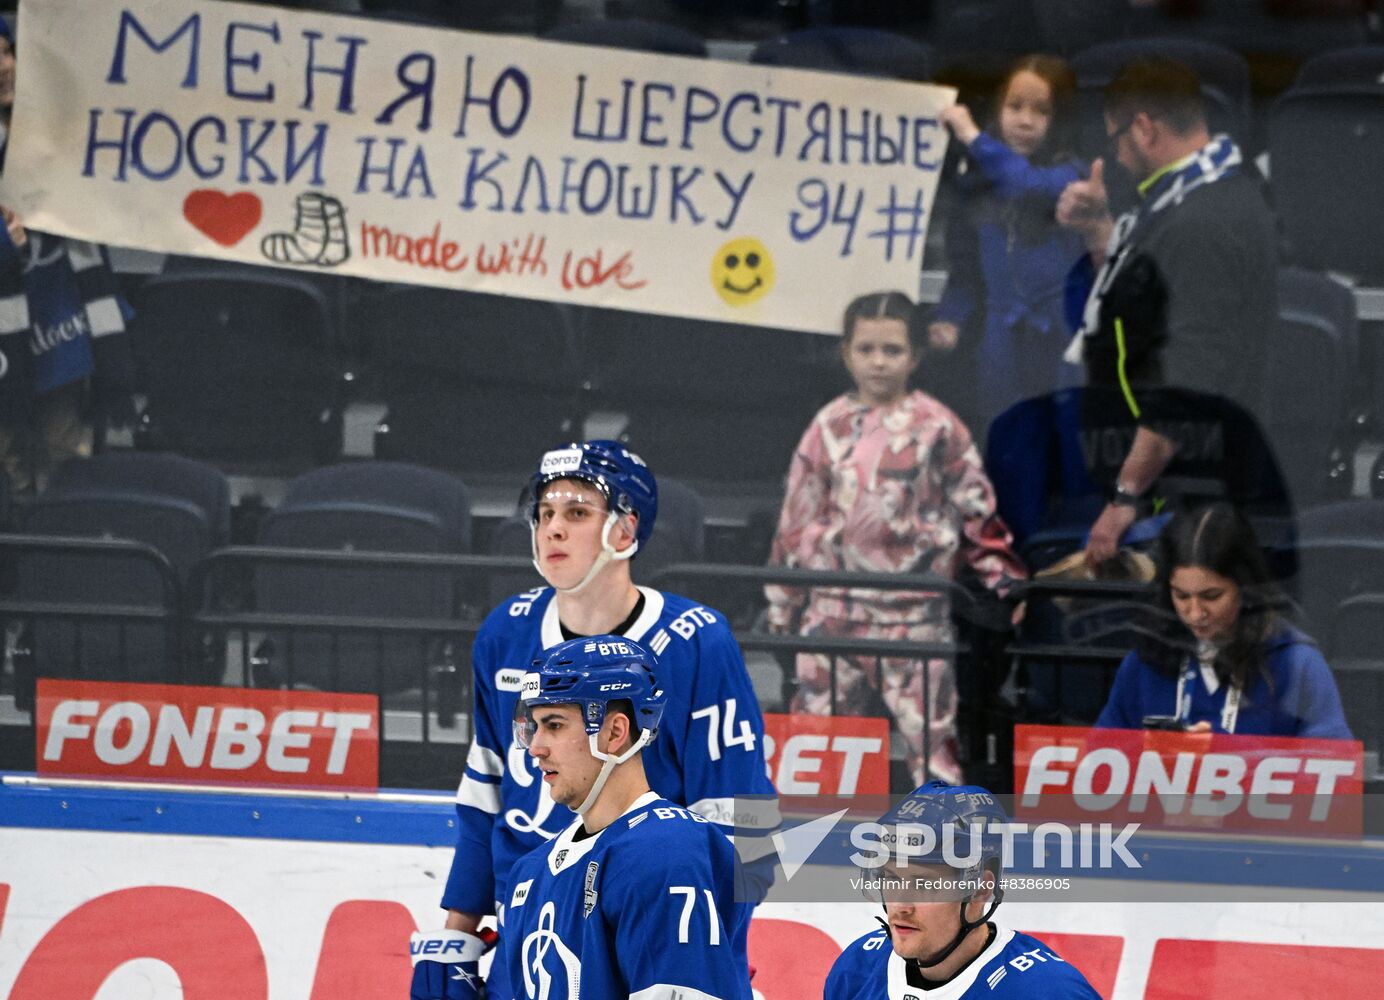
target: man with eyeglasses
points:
(1177, 319)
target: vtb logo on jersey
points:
(589, 889)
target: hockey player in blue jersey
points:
(938, 936)
(636, 897)
(593, 506)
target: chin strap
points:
(965, 929)
(607, 553)
(645, 738)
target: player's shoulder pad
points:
(863, 957)
(526, 606)
(1028, 967)
(685, 622)
(666, 832)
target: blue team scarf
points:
(1218, 159)
(59, 329)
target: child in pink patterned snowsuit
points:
(886, 480)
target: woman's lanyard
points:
(1187, 680)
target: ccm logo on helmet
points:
(616, 687)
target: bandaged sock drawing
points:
(318, 237)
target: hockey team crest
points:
(561, 857)
(589, 896)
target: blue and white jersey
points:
(645, 909)
(710, 746)
(1014, 965)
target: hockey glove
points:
(446, 966)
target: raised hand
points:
(959, 119)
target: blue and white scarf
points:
(1218, 159)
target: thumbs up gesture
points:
(1084, 207)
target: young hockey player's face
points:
(880, 358)
(563, 753)
(925, 916)
(1207, 603)
(571, 515)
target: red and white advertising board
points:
(827, 755)
(1210, 782)
(208, 735)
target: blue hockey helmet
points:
(621, 476)
(960, 827)
(591, 673)
(963, 816)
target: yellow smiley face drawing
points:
(742, 271)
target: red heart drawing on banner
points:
(226, 218)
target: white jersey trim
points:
(648, 618)
(479, 795)
(550, 631)
(483, 760)
(956, 989)
(667, 991)
(570, 851)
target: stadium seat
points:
(1355, 64)
(1325, 142)
(707, 402)
(178, 506)
(386, 507)
(632, 33)
(1340, 553)
(859, 51)
(240, 366)
(1312, 361)
(1356, 648)
(1224, 75)
(1034, 459)
(472, 382)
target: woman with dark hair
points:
(1219, 657)
(886, 480)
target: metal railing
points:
(221, 628)
(962, 608)
(54, 635)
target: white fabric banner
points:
(671, 185)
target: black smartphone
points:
(1164, 722)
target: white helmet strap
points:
(610, 762)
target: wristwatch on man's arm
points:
(1123, 496)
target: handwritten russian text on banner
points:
(680, 186)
